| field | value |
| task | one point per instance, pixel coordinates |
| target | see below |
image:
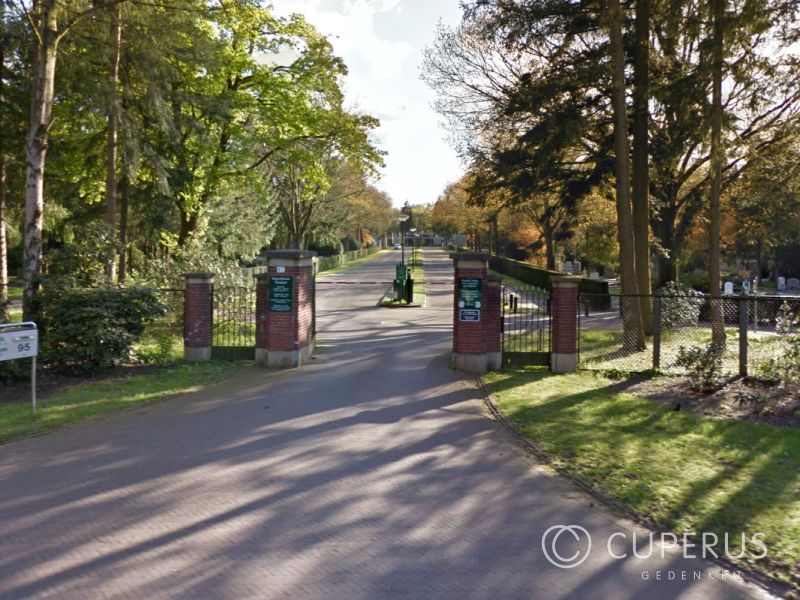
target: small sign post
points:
(21, 340)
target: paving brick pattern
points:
(372, 473)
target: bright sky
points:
(381, 41)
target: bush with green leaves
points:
(704, 365)
(787, 320)
(82, 262)
(785, 366)
(87, 330)
(680, 305)
(167, 271)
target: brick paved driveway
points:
(372, 473)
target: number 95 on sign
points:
(18, 344)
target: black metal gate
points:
(526, 325)
(234, 319)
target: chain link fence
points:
(752, 334)
(604, 342)
(773, 337)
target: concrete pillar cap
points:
(199, 277)
(289, 254)
(469, 256)
(565, 281)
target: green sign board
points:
(470, 292)
(400, 272)
(280, 293)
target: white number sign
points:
(18, 340)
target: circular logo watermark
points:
(550, 543)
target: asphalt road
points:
(373, 472)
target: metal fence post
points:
(744, 310)
(656, 333)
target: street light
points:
(403, 219)
(413, 232)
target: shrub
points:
(166, 271)
(680, 305)
(88, 330)
(81, 263)
(696, 281)
(786, 321)
(541, 277)
(704, 365)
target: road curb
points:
(749, 575)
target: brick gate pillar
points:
(476, 314)
(198, 307)
(564, 336)
(285, 309)
(494, 322)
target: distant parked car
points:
(397, 246)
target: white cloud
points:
(381, 41)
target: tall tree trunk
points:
(717, 320)
(124, 199)
(3, 188)
(550, 248)
(45, 15)
(665, 229)
(189, 222)
(633, 331)
(112, 141)
(3, 238)
(641, 179)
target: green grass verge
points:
(87, 400)
(353, 263)
(680, 471)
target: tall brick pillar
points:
(198, 307)
(476, 314)
(285, 309)
(494, 322)
(564, 303)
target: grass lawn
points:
(15, 289)
(353, 263)
(93, 399)
(602, 349)
(679, 471)
(602, 345)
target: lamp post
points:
(413, 232)
(403, 219)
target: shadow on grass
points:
(680, 471)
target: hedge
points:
(541, 277)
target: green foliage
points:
(680, 305)
(541, 277)
(81, 263)
(524, 90)
(196, 255)
(704, 365)
(787, 321)
(91, 329)
(787, 366)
